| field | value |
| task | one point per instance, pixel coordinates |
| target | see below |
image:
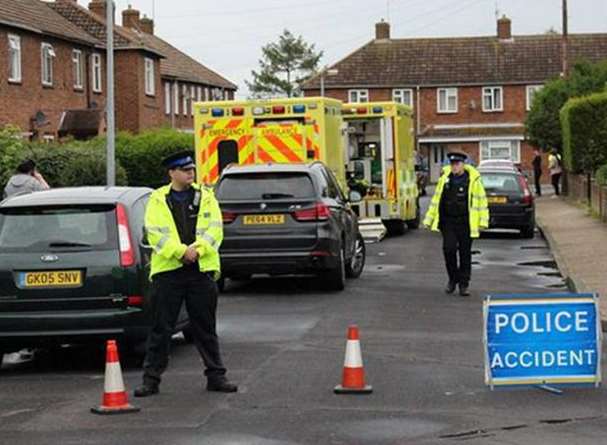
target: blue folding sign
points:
(536, 339)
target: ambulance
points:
(268, 131)
(379, 146)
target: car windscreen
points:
(265, 186)
(44, 229)
(506, 183)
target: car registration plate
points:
(55, 278)
(264, 220)
(497, 200)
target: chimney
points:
(98, 7)
(382, 30)
(130, 18)
(504, 28)
(147, 25)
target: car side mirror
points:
(355, 197)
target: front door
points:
(436, 159)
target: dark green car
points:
(74, 268)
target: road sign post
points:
(539, 340)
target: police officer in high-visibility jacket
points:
(183, 224)
(459, 210)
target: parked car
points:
(511, 203)
(74, 269)
(282, 219)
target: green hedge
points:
(601, 175)
(584, 127)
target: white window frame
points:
(358, 96)
(150, 77)
(167, 98)
(176, 98)
(96, 77)
(77, 70)
(226, 95)
(206, 94)
(14, 58)
(451, 92)
(515, 149)
(192, 99)
(493, 94)
(398, 95)
(47, 54)
(184, 94)
(532, 90)
(199, 94)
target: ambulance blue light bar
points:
(378, 110)
(217, 112)
(299, 108)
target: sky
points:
(227, 37)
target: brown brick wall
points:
(20, 102)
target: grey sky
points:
(227, 36)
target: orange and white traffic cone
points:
(353, 379)
(115, 399)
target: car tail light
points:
(127, 254)
(228, 217)
(135, 300)
(527, 196)
(320, 212)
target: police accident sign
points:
(542, 339)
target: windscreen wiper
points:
(276, 195)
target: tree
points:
(284, 66)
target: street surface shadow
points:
(261, 286)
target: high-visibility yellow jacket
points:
(478, 208)
(163, 236)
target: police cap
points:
(457, 156)
(182, 159)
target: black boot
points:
(450, 288)
(221, 384)
(463, 290)
(147, 389)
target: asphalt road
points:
(283, 341)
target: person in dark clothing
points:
(537, 170)
(183, 224)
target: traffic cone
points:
(353, 379)
(115, 399)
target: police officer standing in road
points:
(184, 226)
(460, 211)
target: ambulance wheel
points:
(395, 227)
(335, 279)
(414, 223)
(357, 263)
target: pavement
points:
(283, 341)
(579, 245)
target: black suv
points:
(282, 219)
(74, 268)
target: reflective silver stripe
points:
(216, 224)
(209, 239)
(159, 229)
(158, 247)
(480, 209)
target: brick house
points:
(56, 77)
(471, 93)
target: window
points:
(510, 150)
(48, 54)
(403, 96)
(206, 94)
(192, 99)
(199, 94)
(358, 96)
(447, 100)
(226, 95)
(531, 91)
(493, 99)
(184, 96)
(150, 83)
(176, 98)
(77, 69)
(14, 58)
(96, 68)
(167, 98)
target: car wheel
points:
(528, 232)
(395, 227)
(335, 278)
(357, 263)
(414, 224)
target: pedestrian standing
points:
(556, 170)
(459, 210)
(537, 170)
(183, 224)
(26, 179)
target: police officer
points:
(184, 226)
(459, 210)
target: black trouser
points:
(555, 183)
(538, 187)
(456, 238)
(199, 292)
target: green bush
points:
(584, 128)
(601, 175)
